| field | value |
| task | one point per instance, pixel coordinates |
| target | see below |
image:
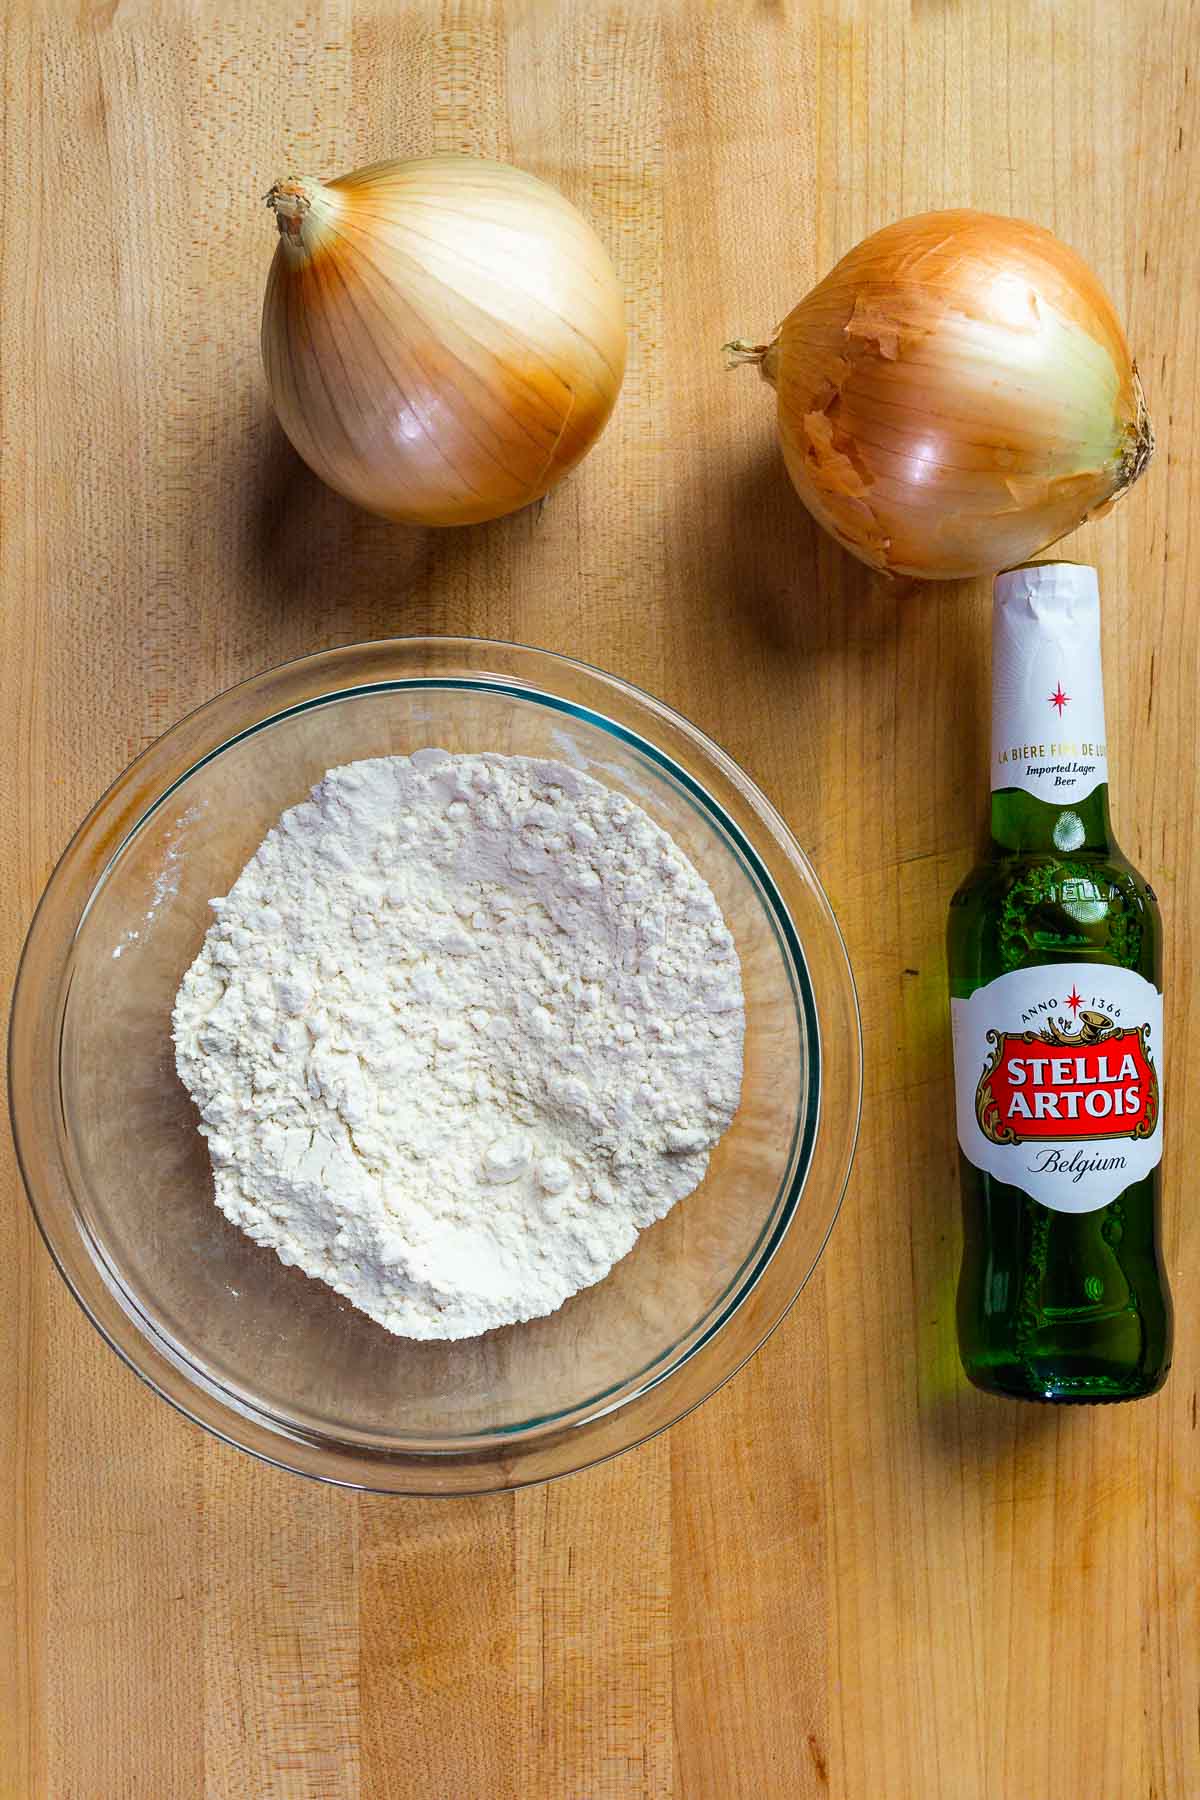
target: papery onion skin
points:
(443, 338)
(955, 395)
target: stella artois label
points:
(1058, 1081)
(1047, 689)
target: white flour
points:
(463, 1026)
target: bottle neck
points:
(1021, 824)
(1049, 763)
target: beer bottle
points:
(1055, 994)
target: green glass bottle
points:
(1054, 949)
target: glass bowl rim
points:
(503, 1440)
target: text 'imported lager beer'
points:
(1056, 1003)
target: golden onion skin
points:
(443, 338)
(955, 395)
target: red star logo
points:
(1074, 999)
(1059, 699)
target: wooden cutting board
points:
(847, 1574)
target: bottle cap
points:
(1061, 581)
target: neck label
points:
(1058, 1081)
(1047, 688)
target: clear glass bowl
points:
(267, 1359)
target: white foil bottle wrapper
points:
(1047, 688)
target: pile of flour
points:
(462, 1027)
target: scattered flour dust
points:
(463, 1026)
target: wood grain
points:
(847, 1574)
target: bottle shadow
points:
(895, 670)
(967, 1431)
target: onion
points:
(443, 339)
(955, 395)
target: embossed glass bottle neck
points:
(1021, 824)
